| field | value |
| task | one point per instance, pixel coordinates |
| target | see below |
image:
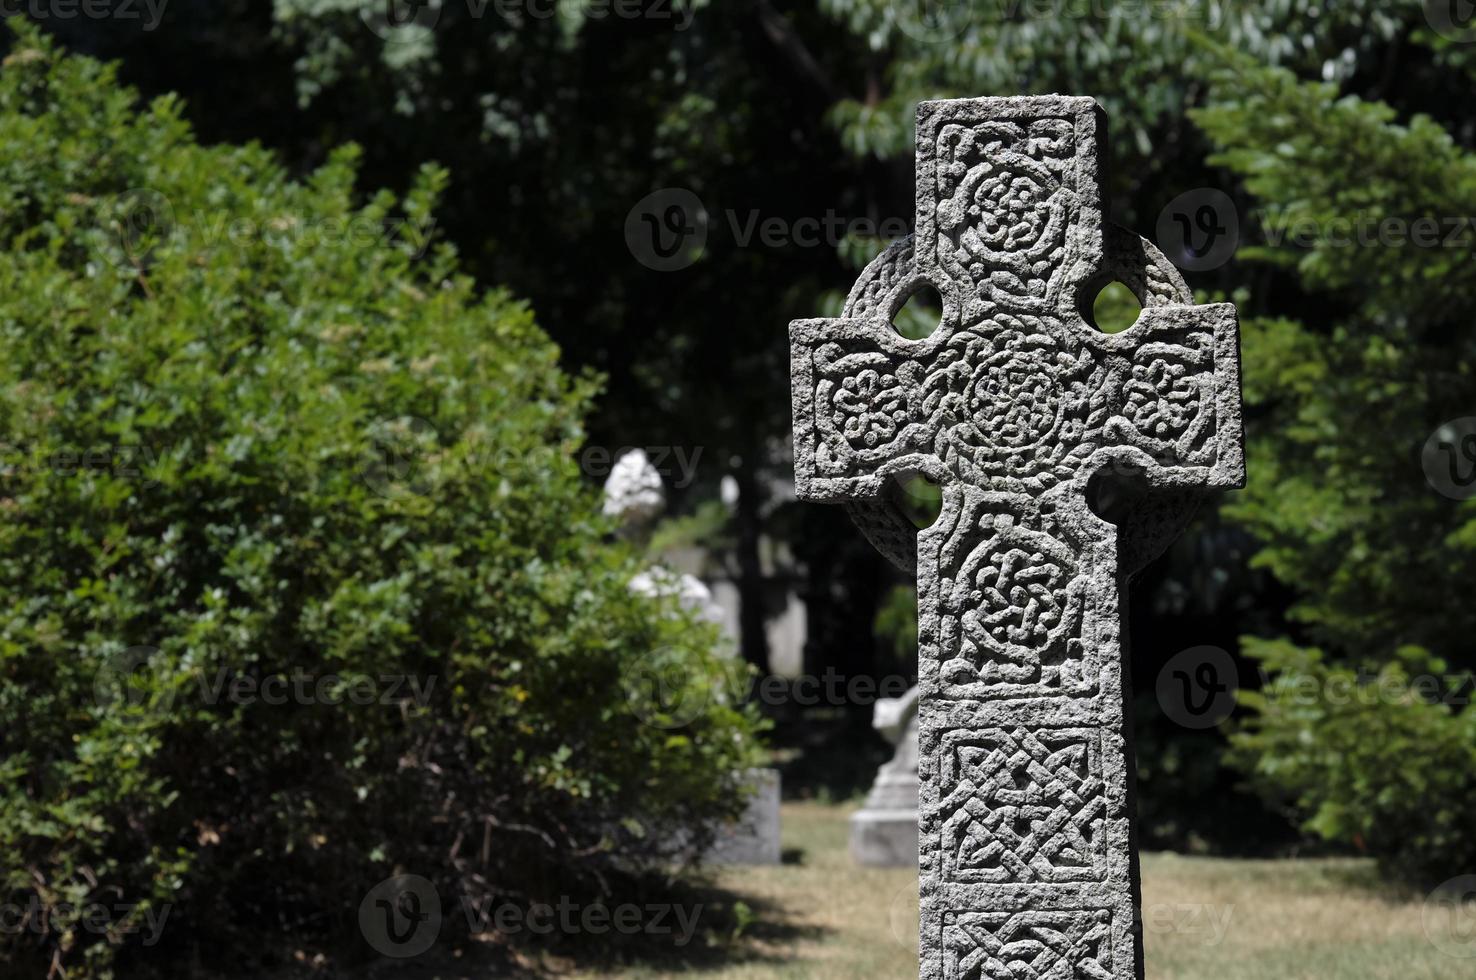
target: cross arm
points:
(859, 419)
(1176, 401)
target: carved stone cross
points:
(1067, 458)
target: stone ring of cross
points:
(1067, 458)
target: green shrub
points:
(254, 432)
(1380, 761)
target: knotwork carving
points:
(1022, 806)
(1028, 946)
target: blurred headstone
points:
(634, 494)
(689, 591)
(884, 830)
(754, 839)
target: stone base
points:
(753, 839)
(884, 838)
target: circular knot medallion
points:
(1014, 399)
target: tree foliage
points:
(1371, 214)
(302, 586)
(1334, 118)
(1378, 760)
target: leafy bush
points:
(1381, 761)
(1344, 393)
(267, 460)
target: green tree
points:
(302, 586)
(555, 120)
(1370, 212)
(750, 108)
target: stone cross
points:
(1067, 458)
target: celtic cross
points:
(1067, 457)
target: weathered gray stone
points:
(1028, 418)
(884, 830)
(634, 493)
(754, 839)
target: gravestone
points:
(635, 497)
(756, 836)
(884, 830)
(1067, 458)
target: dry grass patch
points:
(1205, 919)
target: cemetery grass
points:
(819, 917)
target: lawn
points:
(821, 918)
